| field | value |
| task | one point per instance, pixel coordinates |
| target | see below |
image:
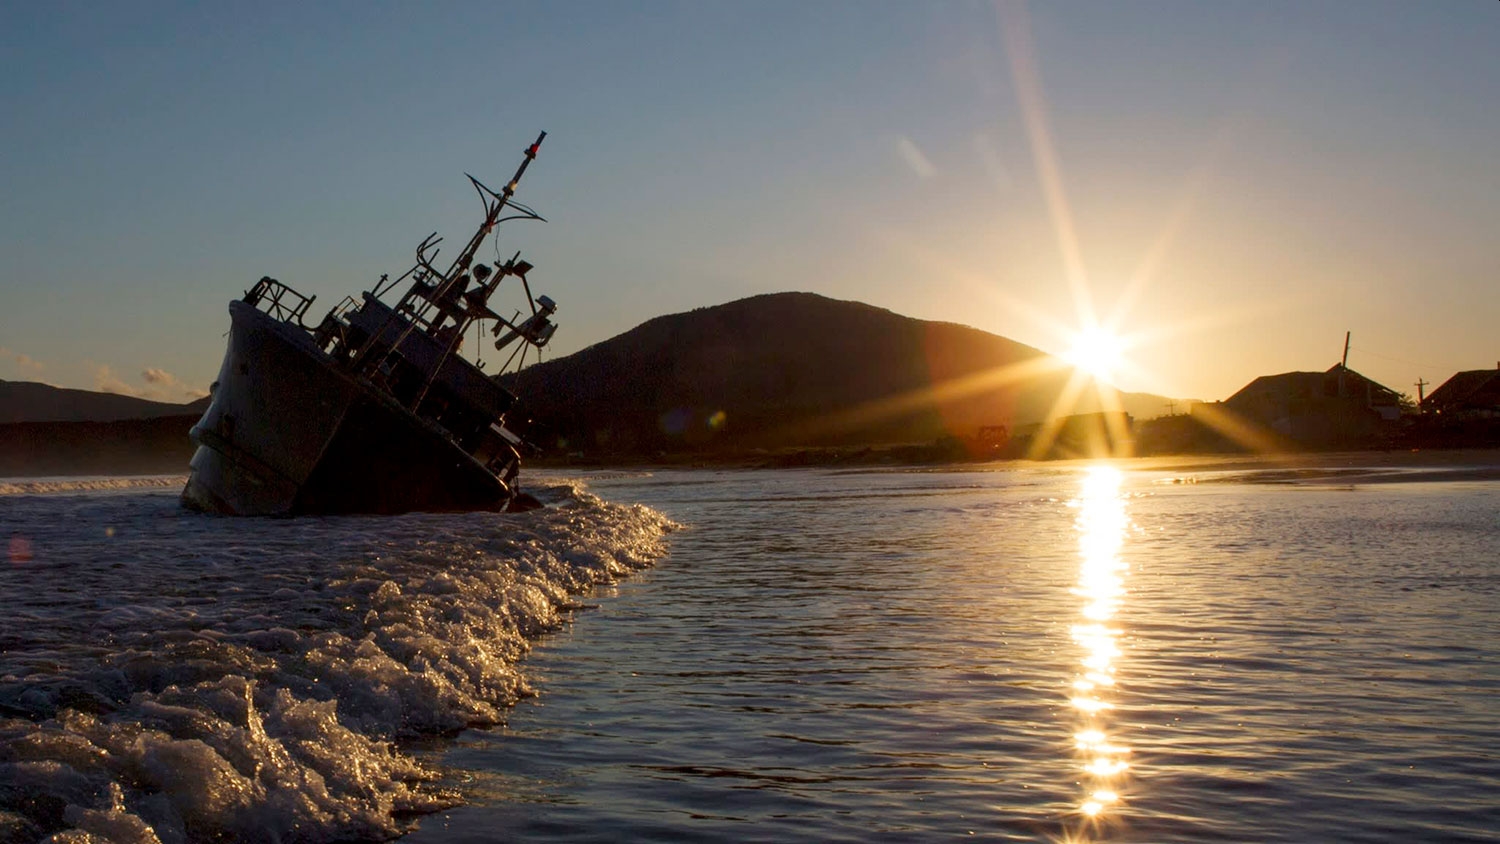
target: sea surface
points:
(1057, 653)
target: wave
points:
(181, 677)
(43, 486)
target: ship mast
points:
(450, 294)
(492, 214)
(441, 293)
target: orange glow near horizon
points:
(1096, 339)
(1097, 343)
(1096, 349)
(1097, 346)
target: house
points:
(1467, 395)
(1338, 407)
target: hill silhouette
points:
(157, 445)
(46, 430)
(781, 370)
(791, 370)
(28, 401)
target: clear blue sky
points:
(1286, 170)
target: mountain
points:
(26, 401)
(792, 369)
(158, 445)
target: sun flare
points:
(1097, 352)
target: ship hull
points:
(289, 433)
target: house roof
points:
(1477, 387)
(1291, 382)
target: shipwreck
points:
(375, 409)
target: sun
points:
(1097, 352)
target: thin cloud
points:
(106, 381)
(26, 364)
(160, 385)
(912, 155)
(167, 386)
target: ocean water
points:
(1067, 653)
(170, 676)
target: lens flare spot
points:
(675, 421)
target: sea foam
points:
(172, 677)
(44, 486)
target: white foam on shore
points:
(45, 486)
(181, 677)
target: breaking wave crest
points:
(44, 486)
(172, 677)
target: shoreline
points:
(1324, 469)
(891, 457)
(1366, 466)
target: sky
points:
(1230, 186)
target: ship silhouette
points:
(374, 409)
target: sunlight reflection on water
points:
(1101, 523)
(890, 656)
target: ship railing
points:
(278, 300)
(343, 309)
(332, 334)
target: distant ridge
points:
(28, 401)
(779, 370)
(791, 369)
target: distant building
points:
(1339, 407)
(1467, 395)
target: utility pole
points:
(1172, 408)
(1344, 363)
(1419, 385)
